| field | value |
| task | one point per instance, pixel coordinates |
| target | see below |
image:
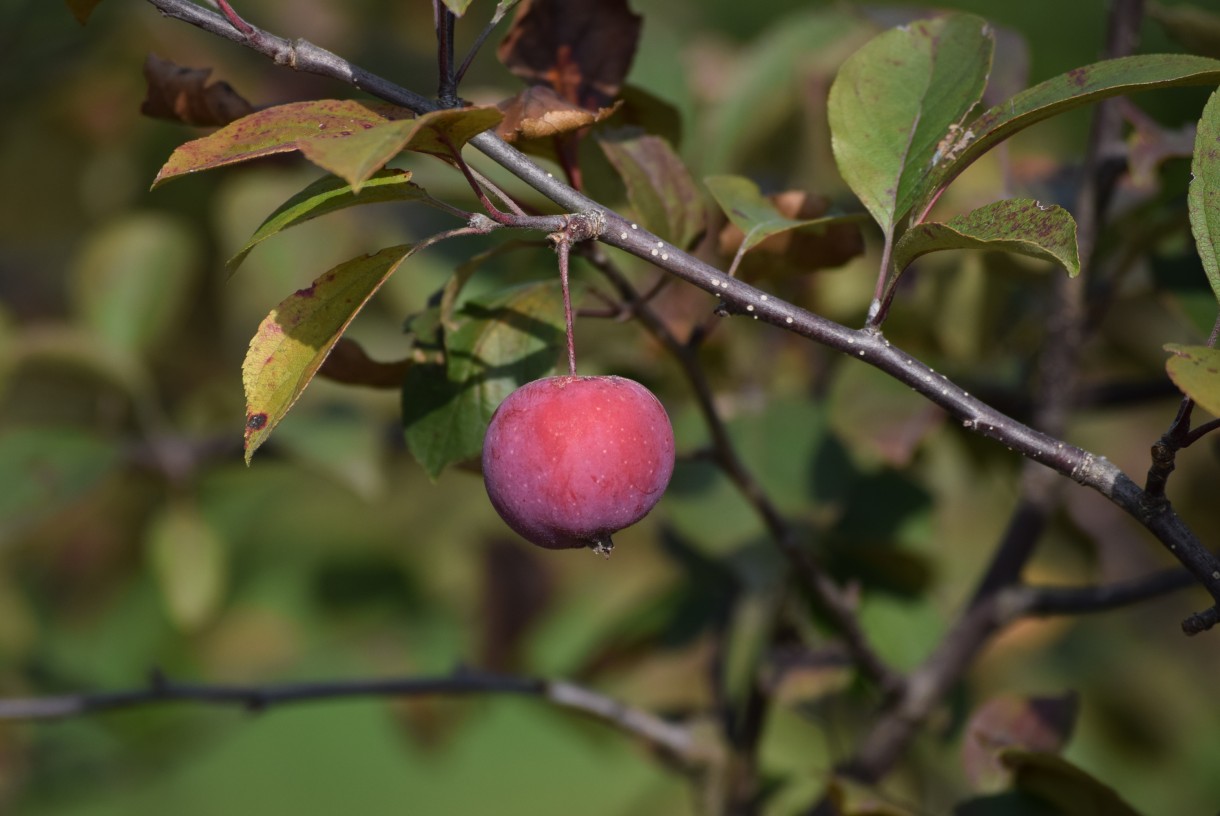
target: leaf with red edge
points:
(659, 187)
(81, 9)
(280, 129)
(1195, 370)
(1041, 724)
(295, 339)
(357, 158)
(181, 94)
(581, 48)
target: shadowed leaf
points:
(1069, 788)
(358, 157)
(330, 194)
(1041, 724)
(1203, 198)
(659, 187)
(1020, 226)
(897, 103)
(293, 341)
(1195, 370)
(189, 562)
(81, 9)
(757, 217)
(1077, 87)
(182, 94)
(281, 129)
(348, 363)
(580, 48)
(502, 344)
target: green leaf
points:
(1195, 370)
(359, 156)
(659, 187)
(81, 9)
(330, 194)
(44, 469)
(189, 562)
(1020, 226)
(1069, 788)
(1193, 27)
(132, 281)
(1077, 87)
(503, 344)
(458, 7)
(896, 101)
(293, 341)
(754, 215)
(281, 129)
(1203, 197)
(502, 8)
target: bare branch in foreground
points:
(672, 739)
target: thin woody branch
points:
(742, 299)
(672, 739)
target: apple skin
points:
(568, 461)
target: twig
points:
(446, 79)
(673, 739)
(871, 347)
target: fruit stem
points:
(562, 246)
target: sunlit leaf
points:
(81, 9)
(183, 94)
(539, 113)
(1066, 786)
(659, 187)
(359, 156)
(281, 129)
(1077, 87)
(503, 344)
(1041, 724)
(294, 340)
(898, 101)
(133, 279)
(1020, 226)
(330, 194)
(754, 215)
(189, 561)
(1196, 371)
(458, 7)
(1203, 198)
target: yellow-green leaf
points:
(293, 341)
(1203, 199)
(1195, 370)
(189, 562)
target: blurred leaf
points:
(655, 116)
(1064, 785)
(1193, 27)
(1038, 724)
(181, 94)
(880, 418)
(898, 101)
(458, 7)
(281, 129)
(516, 592)
(44, 469)
(350, 364)
(580, 48)
(346, 444)
(330, 194)
(1018, 225)
(1195, 370)
(816, 245)
(853, 798)
(768, 82)
(1077, 87)
(539, 113)
(189, 561)
(659, 187)
(1203, 197)
(1011, 803)
(462, 275)
(1150, 145)
(133, 279)
(502, 344)
(757, 217)
(68, 345)
(294, 340)
(357, 157)
(81, 9)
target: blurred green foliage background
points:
(133, 537)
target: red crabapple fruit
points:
(570, 460)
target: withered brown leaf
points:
(182, 94)
(538, 112)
